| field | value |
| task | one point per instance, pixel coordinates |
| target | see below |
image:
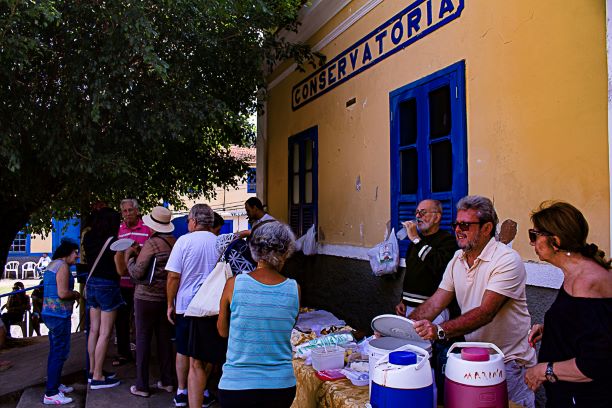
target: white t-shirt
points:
(193, 256)
(43, 262)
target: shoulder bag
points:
(93, 268)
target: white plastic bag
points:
(206, 300)
(307, 242)
(384, 257)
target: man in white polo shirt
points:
(488, 280)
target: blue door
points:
(303, 180)
(428, 144)
(66, 229)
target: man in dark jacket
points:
(428, 254)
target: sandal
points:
(119, 361)
(138, 393)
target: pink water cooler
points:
(475, 378)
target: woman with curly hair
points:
(576, 351)
(257, 312)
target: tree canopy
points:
(101, 100)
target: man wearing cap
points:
(198, 344)
(149, 267)
(488, 280)
(132, 228)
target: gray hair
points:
(483, 206)
(202, 214)
(436, 203)
(132, 201)
(272, 242)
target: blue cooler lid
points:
(403, 358)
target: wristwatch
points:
(416, 240)
(441, 333)
(550, 375)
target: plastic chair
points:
(11, 267)
(29, 267)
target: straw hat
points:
(159, 220)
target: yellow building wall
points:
(536, 95)
(39, 243)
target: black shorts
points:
(270, 398)
(181, 334)
(205, 343)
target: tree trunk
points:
(13, 221)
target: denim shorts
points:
(103, 294)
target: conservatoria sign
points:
(406, 27)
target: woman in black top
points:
(576, 352)
(103, 294)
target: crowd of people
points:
(152, 281)
(467, 286)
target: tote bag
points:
(206, 300)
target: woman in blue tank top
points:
(58, 301)
(258, 311)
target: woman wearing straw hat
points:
(148, 269)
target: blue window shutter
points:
(438, 139)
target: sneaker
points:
(180, 400)
(107, 374)
(57, 399)
(167, 388)
(64, 389)
(106, 383)
(209, 400)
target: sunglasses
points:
(464, 225)
(533, 234)
(422, 213)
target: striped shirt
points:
(259, 347)
(139, 233)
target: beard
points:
(422, 226)
(470, 244)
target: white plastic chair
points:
(29, 267)
(11, 267)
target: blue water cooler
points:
(403, 379)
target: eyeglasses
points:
(464, 225)
(421, 213)
(533, 234)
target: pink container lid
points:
(475, 354)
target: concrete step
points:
(30, 363)
(32, 396)
(120, 396)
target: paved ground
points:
(121, 397)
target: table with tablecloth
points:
(314, 393)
